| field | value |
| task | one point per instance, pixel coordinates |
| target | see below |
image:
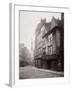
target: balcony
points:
(46, 57)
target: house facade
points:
(49, 44)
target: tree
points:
(24, 56)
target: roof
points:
(39, 26)
(55, 23)
(47, 28)
(51, 25)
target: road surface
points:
(33, 72)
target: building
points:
(39, 43)
(49, 44)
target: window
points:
(50, 50)
(44, 50)
(39, 50)
(50, 37)
(47, 50)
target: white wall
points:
(4, 41)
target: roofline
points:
(51, 30)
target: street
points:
(33, 72)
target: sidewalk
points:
(54, 72)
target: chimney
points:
(43, 20)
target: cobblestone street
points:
(33, 72)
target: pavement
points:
(33, 72)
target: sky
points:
(28, 24)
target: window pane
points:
(51, 50)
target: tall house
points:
(49, 44)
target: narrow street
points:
(33, 72)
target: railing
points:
(47, 57)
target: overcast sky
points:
(28, 24)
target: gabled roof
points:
(39, 26)
(55, 23)
(51, 25)
(47, 28)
